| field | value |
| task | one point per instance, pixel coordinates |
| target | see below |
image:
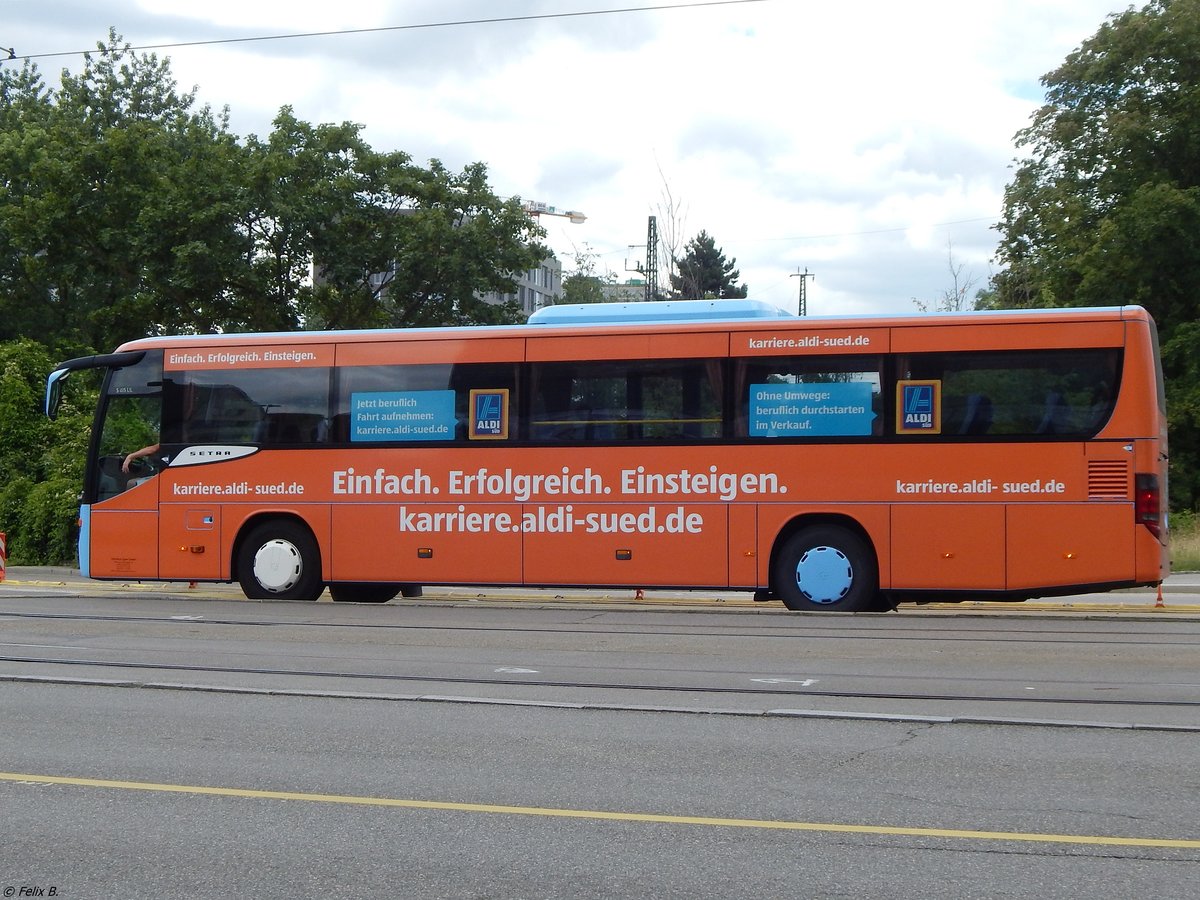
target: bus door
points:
(206, 416)
(119, 515)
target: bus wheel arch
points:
(277, 557)
(826, 563)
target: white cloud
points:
(863, 141)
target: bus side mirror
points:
(54, 387)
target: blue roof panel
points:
(657, 311)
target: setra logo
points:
(194, 456)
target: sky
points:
(866, 143)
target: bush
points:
(48, 526)
(41, 461)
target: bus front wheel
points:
(279, 560)
(826, 568)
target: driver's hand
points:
(125, 464)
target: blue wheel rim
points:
(824, 575)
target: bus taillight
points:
(1148, 502)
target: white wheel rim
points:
(278, 565)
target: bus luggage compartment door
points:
(1053, 544)
(665, 544)
(426, 543)
(947, 546)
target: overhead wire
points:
(693, 4)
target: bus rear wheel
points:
(279, 560)
(363, 591)
(826, 568)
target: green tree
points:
(1105, 209)
(117, 203)
(584, 284)
(301, 182)
(125, 211)
(703, 272)
(42, 461)
(399, 245)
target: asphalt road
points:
(174, 743)
(110, 792)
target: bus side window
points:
(1020, 393)
(439, 392)
(292, 428)
(248, 406)
(626, 400)
(495, 380)
(1100, 407)
(339, 430)
(978, 416)
(809, 397)
(223, 414)
(1055, 415)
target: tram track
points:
(860, 628)
(635, 687)
(1138, 671)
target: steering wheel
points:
(143, 467)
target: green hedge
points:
(41, 462)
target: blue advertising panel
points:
(402, 416)
(811, 410)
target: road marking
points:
(608, 815)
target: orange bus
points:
(831, 464)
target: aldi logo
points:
(489, 415)
(919, 407)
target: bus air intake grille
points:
(1108, 479)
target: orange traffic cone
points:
(1158, 604)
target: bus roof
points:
(669, 315)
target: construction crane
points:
(536, 208)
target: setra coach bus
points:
(842, 464)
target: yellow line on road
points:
(897, 831)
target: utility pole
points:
(651, 272)
(802, 306)
(649, 269)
